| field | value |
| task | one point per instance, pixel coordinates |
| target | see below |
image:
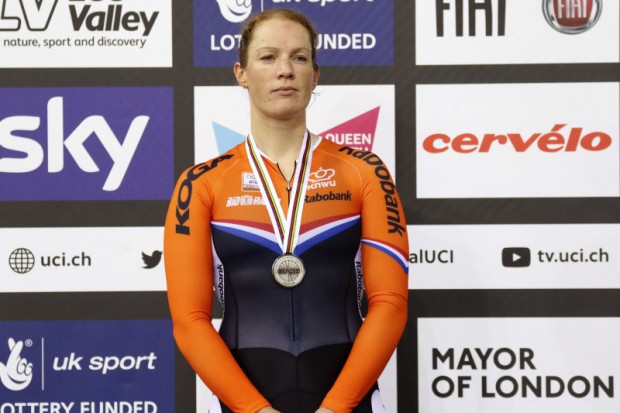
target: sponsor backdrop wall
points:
(499, 119)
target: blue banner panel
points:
(351, 32)
(87, 366)
(76, 143)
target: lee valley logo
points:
(55, 25)
(93, 16)
(508, 373)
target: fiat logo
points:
(572, 16)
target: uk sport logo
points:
(16, 372)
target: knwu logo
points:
(120, 151)
(321, 178)
(16, 373)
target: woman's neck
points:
(279, 140)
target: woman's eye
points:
(301, 58)
(267, 57)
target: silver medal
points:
(288, 270)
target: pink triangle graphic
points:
(357, 133)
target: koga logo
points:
(475, 9)
(244, 200)
(95, 16)
(235, 11)
(572, 16)
(16, 373)
(184, 196)
(387, 186)
(151, 261)
(340, 196)
(553, 141)
(321, 178)
(73, 143)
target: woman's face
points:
(279, 73)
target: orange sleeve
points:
(386, 284)
(189, 274)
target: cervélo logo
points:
(47, 33)
(572, 16)
(518, 140)
(352, 32)
(86, 143)
(65, 366)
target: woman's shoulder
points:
(214, 167)
(361, 158)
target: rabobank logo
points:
(86, 144)
(64, 366)
(48, 33)
(351, 32)
(357, 116)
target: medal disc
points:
(288, 270)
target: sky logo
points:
(86, 144)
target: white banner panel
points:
(519, 35)
(81, 259)
(516, 365)
(514, 256)
(85, 33)
(206, 400)
(357, 116)
(518, 140)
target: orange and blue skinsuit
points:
(292, 348)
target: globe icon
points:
(21, 260)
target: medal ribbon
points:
(285, 228)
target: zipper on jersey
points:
(288, 182)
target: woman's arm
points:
(189, 273)
(384, 265)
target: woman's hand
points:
(268, 409)
(324, 410)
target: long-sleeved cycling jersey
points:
(293, 348)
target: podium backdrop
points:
(498, 118)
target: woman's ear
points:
(240, 75)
